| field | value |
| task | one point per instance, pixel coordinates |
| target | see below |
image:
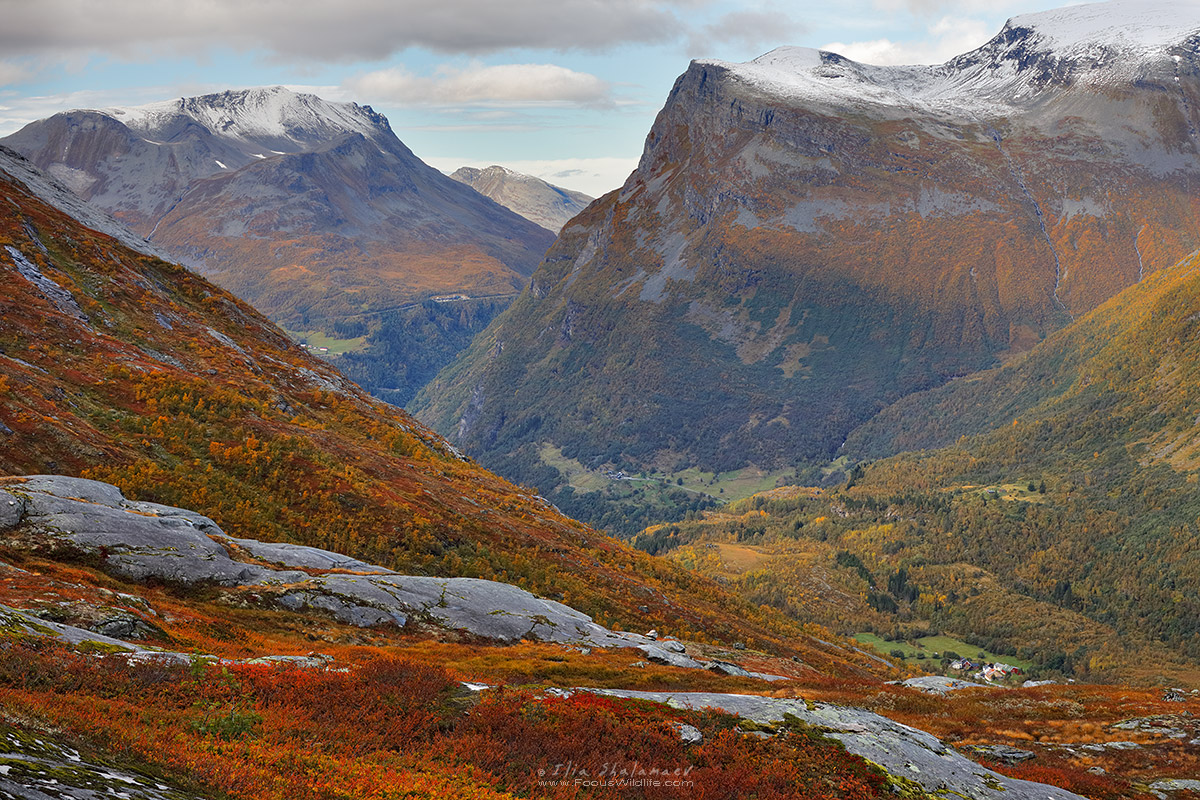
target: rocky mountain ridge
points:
(1094, 45)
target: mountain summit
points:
(138, 161)
(310, 209)
(807, 239)
(274, 118)
(1114, 44)
(533, 198)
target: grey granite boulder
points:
(35, 767)
(1001, 752)
(139, 541)
(1176, 785)
(725, 668)
(22, 623)
(938, 684)
(299, 556)
(123, 626)
(82, 489)
(135, 540)
(903, 751)
(12, 511)
(661, 655)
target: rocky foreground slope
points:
(807, 239)
(140, 541)
(144, 650)
(85, 520)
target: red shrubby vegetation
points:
(389, 727)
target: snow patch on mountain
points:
(1146, 25)
(267, 115)
(1095, 44)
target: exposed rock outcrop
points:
(142, 541)
(904, 752)
(36, 767)
(937, 684)
(147, 541)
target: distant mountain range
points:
(533, 198)
(311, 210)
(808, 239)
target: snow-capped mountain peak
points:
(1131, 25)
(272, 118)
(1109, 43)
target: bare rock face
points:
(904, 752)
(938, 684)
(807, 239)
(147, 541)
(1002, 753)
(37, 767)
(142, 541)
(548, 205)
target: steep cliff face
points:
(807, 239)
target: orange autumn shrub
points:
(388, 727)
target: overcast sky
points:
(563, 89)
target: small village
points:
(986, 672)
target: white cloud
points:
(929, 7)
(945, 39)
(18, 111)
(592, 176)
(504, 84)
(753, 29)
(344, 31)
(11, 73)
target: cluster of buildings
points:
(986, 672)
